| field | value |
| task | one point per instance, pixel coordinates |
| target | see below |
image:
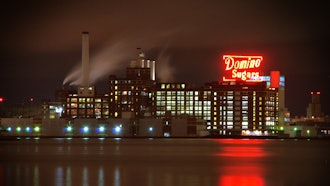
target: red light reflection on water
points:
(240, 141)
(241, 148)
(242, 162)
(241, 175)
(247, 152)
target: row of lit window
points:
(75, 105)
(190, 95)
(87, 111)
(188, 103)
(178, 112)
(173, 86)
(86, 100)
(180, 98)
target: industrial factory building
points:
(243, 102)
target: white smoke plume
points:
(107, 61)
(164, 71)
(118, 55)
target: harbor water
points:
(164, 162)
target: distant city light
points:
(117, 129)
(85, 129)
(69, 129)
(58, 110)
(37, 129)
(101, 129)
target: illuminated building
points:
(244, 102)
(249, 103)
(133, 96)
(85, 103)
(314, 107)
(87, 107)
(247, 108)
(52, 110)
(175, 101)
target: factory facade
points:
(243, 102)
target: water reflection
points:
(243, 162)
(63, 176)
(36, 175)
(68, 176)
(162, 162)
(101, 177)
(116, 177)
(85, 176)
(59, 176)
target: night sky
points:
(41, 43)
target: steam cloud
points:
(164, 71)
(117, 56)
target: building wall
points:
(19, 126)
(53, 127)
(60, 127)
(179, 127)
(149, 127)
(301, 131)
(238, 107)
(228, 107)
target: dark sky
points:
(41, 42)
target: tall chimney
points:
(85, 59)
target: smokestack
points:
(152, 71)
(85, 59)
(84, 90)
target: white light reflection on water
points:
(36, 175)
(68, 176)
(150, 177)
(85, 176)
(101, 177)
(59, 176)
(117, 176)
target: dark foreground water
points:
(123, 162)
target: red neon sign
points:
(245, 68)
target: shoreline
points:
(7, 138)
